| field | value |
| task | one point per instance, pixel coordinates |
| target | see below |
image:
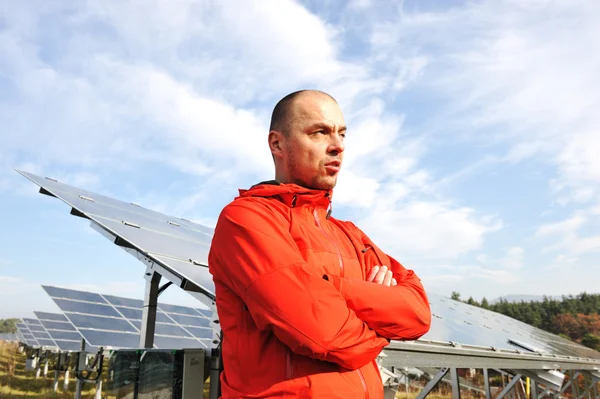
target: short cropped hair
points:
(280, 118)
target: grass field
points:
(16, 382)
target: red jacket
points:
(298, 317)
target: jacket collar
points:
(292, 195)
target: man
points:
(306, 302)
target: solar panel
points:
(39, 333)
(26, 335)
(455, 321)
(115, 322)
(178, 246)
(62, 332)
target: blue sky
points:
(471, 152)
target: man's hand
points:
(381, 275)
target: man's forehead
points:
(317, 106)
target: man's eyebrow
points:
(320, 125)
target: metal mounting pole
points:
(534, 391)
(216, 363)
(150, 304)
(455, 383)
(81, 365)
(486, 382)
(56, 372)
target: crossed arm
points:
(259, 260)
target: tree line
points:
(573, 317)
(8, 326)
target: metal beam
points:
(432, 383)
(534, 391)
(455, 384)
(550, 378)
(486, 382)
(509, 387)
(149, 315)
(423, 354)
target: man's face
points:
(314, 147)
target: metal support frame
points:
(534, 391)
(455, 383)
(509, 387)
(216, 366)
(150, 304)
(432, 383)
(549, 378)
(486, 382)
(588, 388)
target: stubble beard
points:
(318, 182)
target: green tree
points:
(455, 295)
(8, 326)
(484, 303)
(591, 341)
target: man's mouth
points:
(333, 166)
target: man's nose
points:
(336, 145)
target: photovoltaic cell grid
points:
(39, 333)
(63, 333)
(178, 245)
(455, 321)
(115, 322)
(25, 335)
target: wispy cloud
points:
(437, 97)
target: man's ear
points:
(276, 141)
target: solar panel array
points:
(181, 246)
(455, 321)
(25, 335)
(115, 322)
(62, 332)
(39, 333)
(177, 244)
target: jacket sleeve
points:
(253, 251)
(401, 312)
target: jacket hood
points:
(292, 195)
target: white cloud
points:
(514, 258)
(566, 235)
(427, 230)
(514, 72)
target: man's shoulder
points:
(242, 207)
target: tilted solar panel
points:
(27, 336)
(115, 322)
(180, 247)
(62, 332)
(177, 245)
(40, 334)
(455, 321)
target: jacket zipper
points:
(364, 383)
(318, 221)
(316, 216)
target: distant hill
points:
(525, 298)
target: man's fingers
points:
(394, 282)
(381, 275)
(387, 280)
(373, 273)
